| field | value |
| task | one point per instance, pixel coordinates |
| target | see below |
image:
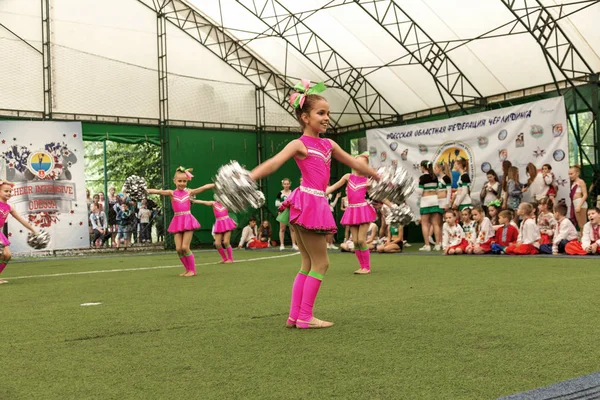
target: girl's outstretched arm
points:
(201, 189)
(272, 164)
(350, 161)
(21, 220)
(160, 192)
(338, 184)
(204, 202)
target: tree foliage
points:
(122, 160)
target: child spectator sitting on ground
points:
(564, 232)
(506, 234)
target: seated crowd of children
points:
(549, 232)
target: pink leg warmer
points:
(297, 289)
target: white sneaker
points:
(334, 247)
(281, 248)
(437, 247)
(425, 248)
(406, 244)
(431, 239)
(294, 247)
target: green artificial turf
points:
(419, 327)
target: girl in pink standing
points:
(307, 208)
(359, 214)
(183, 223)
(222, 229)
(5, 209)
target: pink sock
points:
(297, 289)
(359, 257)
(229, 252)
(2, 266)
(191, 262)
(222, 253)
(366, 256)
(309, 294)
(184, 262)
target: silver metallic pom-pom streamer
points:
(235, 189)
(400, 214)
(395, 184)
(135, 187)
(38, 241)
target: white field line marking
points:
(89, 304)
(140, 269)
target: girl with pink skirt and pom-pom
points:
(222, 229)
(307, 208)
(183, 224)
(5, 209)
(359, 214)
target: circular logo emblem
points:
(536, 131)
(503, 155)
(559, 155)
(557, 130)
(40, 163)
(485, 167)
(502, 134)
(482, 142)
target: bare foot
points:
(221, 262)
(363, 271)
(3, 281)
(183, 274)
(189, 273)
(228, 262)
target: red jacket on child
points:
(506, 238)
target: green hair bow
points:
(303, 89)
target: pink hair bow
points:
(187, 172)
(303, 89)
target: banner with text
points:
(45, 162)
(530, 133)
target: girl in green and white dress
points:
(286, 183)
(431, 217)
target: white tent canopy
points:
(104, 55)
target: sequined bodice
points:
(180, 201)
(315, 168)
(356, 189)
(220, 210)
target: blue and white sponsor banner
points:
(530, 133)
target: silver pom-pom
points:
(400, 214)
(38, 241)
(135, 187)
(235, 189)
(395, 184)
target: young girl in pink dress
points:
(358, 214)
(307, 207)
(222, 229)
(183, 223)
(5, 209)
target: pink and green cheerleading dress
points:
(358, 211)
(223, 222)
(307, 204)
(183, 220)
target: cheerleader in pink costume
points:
(5, 209)
(222, 229)
(183, 223)
(358, 215)
(307, 208)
